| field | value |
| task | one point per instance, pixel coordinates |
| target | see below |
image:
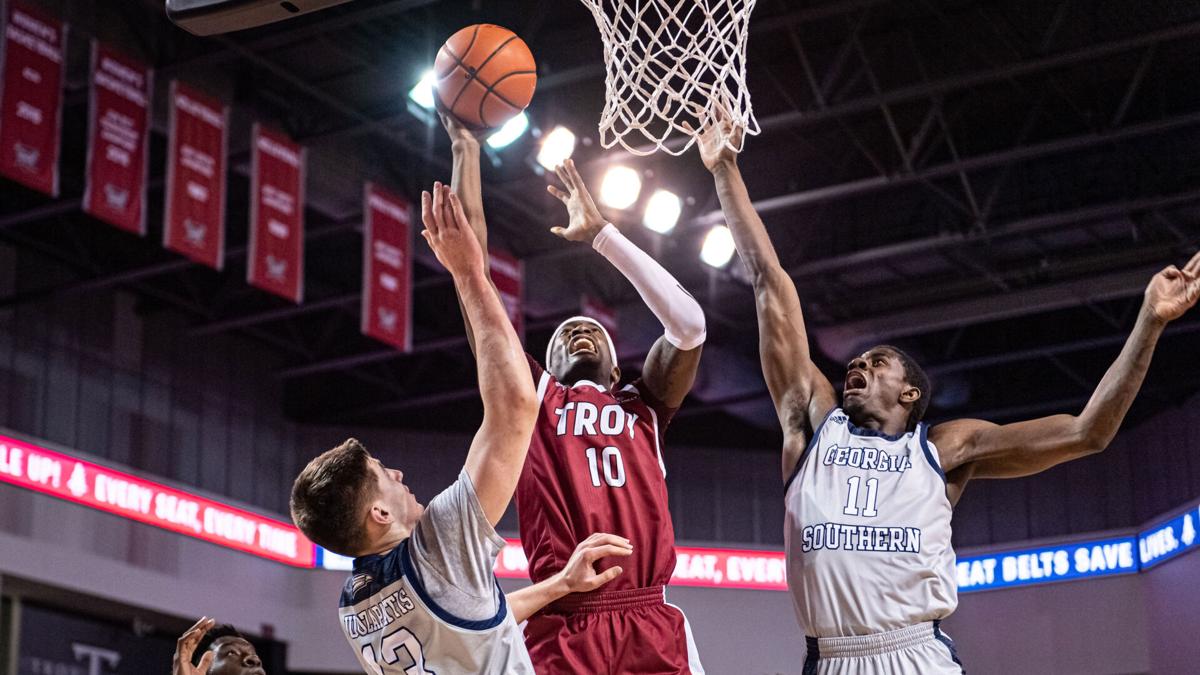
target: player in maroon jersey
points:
(595, 460)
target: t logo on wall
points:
(96, 658)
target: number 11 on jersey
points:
(868, 511)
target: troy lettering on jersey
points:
(838, 537)
(378, 615)
(581, 418)
(871, 459)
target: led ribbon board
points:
(1027, 567)
(1170, 539)
(123, 494)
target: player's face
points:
(874, 382)
(399, 500)
(581, 353)
(234, 656)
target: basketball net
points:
(670, 62)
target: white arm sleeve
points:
(676, 309)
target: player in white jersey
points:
(870, 488)
(422, 597)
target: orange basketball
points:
(485, 75)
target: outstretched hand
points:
(185, 647)
(1174, 291)
(586, 221)
(459, 132)
(449, 233)
(580, 575)
(717, 140)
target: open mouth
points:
(582, 343)
(855, 382)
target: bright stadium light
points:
(422, 94)
(662, 211)
(718, 246)
(511, 131)
(620, 187)
(557, 147)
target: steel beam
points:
(1019, 154)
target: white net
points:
(669, 62)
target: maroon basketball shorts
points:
(633, 632)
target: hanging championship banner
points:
(508, 273)
(387, 268)
(31, 97)
(118, 140)
(194, 215)
(607, 316)
(276, 214)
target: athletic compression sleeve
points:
(676, 309)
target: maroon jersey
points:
(595, 465)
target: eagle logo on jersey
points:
(361, 581)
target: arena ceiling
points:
(989, 185)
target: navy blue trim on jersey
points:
(945, 639)
(371, 574)
(923, 433)
(807, 449)
(812, 656)
(859, 431)
(467, 624)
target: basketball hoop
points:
(669, 62)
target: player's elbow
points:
(688, 328)
(1091, 438)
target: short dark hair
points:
(915, 376)
(328, 498)
(215, 633)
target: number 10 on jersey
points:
(613, 467)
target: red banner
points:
(194, 215)
(387, 268)
(31, 97)
(118, 144)
(508, 273)
(122, 494)
(277, 214)
(607, 316)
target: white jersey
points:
(432, 605)
(867, 532)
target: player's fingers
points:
(597, 552)
(687, 127)
(573, 174)
(436, 207)
(459, 213)
(559, 231)
(562, 196)
(608, 575)
(205, 662)
(561, 172)
(1193, 266)
(427, 209)
(605, 538)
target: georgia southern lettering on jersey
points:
(868, 532)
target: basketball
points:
(485, 75)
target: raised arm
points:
(670, 367)
(801, 393)
(979, 449)
(579, 576)
(467, 184)
(509, 403)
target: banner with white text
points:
(118, 139)
(276, 214)
(194, 214)
(31, 97)
(387, 267)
